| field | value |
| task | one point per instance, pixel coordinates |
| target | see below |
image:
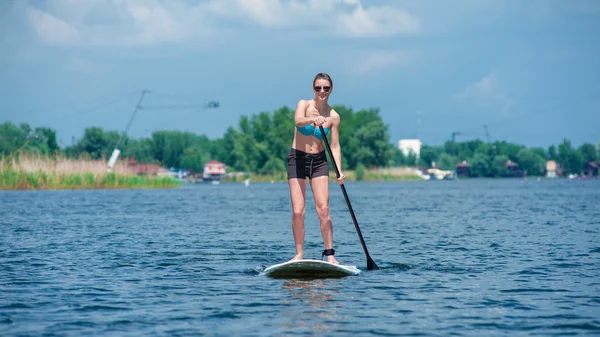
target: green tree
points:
(224, 148)
(428, 155)
(499, 164)
(273, 165)
(410, 159)
(94, 142)
(11, 138)
(26, 129)
(531, 162)
(399, 158)
(261, 126)
(363, 137)
(246, 153)
(140, 150)
(168, 147)
(483, 148)
(569, 158)
(446, 161)
(480, 166)
(360, 171)
(508, 149)
(451, 148)
(540, 152)
(587, 153)
(193, 159)
(281, 134)
(552, 153)
(47, 137)
(374, 137)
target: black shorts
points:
(304, 165)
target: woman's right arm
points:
(300, 118)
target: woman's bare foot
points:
(297, 257)
(332, 259)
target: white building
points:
(410, 145)
(551, 169)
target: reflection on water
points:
(312, 303)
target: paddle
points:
(370, 263)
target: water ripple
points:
(461, 258)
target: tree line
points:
(489, 159)
(260, 143)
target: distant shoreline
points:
(351, 175)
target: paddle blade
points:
(371, 265)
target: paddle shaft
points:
(370, 263)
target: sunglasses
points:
(325, 88)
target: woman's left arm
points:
(336, 150)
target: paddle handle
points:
(371, 265)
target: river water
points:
(458, 258)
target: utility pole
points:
(115, 155)
(116, 151)
(489, 139)
(419, 138)
(454, 134)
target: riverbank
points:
(389, 174)
(45, 173)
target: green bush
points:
(360, 171)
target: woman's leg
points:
(320, 189)
(298, 196)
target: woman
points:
(307, 159)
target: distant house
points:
(463, 169)
(513, 170)
(590, 169)
(145, 169)
(213, 170)
(551, 167)
(408, 146)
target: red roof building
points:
(213, 170)
(463, 169)
(590, 169)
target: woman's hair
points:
(322, 76)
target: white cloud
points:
(381, 60)
(485, 87)
(118, 22)
(151, 22)
(51, 29)
(486, 92)
(341, 17)
(268, 13)
(377, 21)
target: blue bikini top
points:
(310, 130)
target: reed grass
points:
(31, 172)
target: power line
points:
(103, 104)
(96, 107)
(128, 95)
(193, 104)
(117, 151)
(176, 97)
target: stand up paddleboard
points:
(310, 269)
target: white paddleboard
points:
(310, 269)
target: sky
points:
(528, 72)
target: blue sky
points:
(528, 70)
